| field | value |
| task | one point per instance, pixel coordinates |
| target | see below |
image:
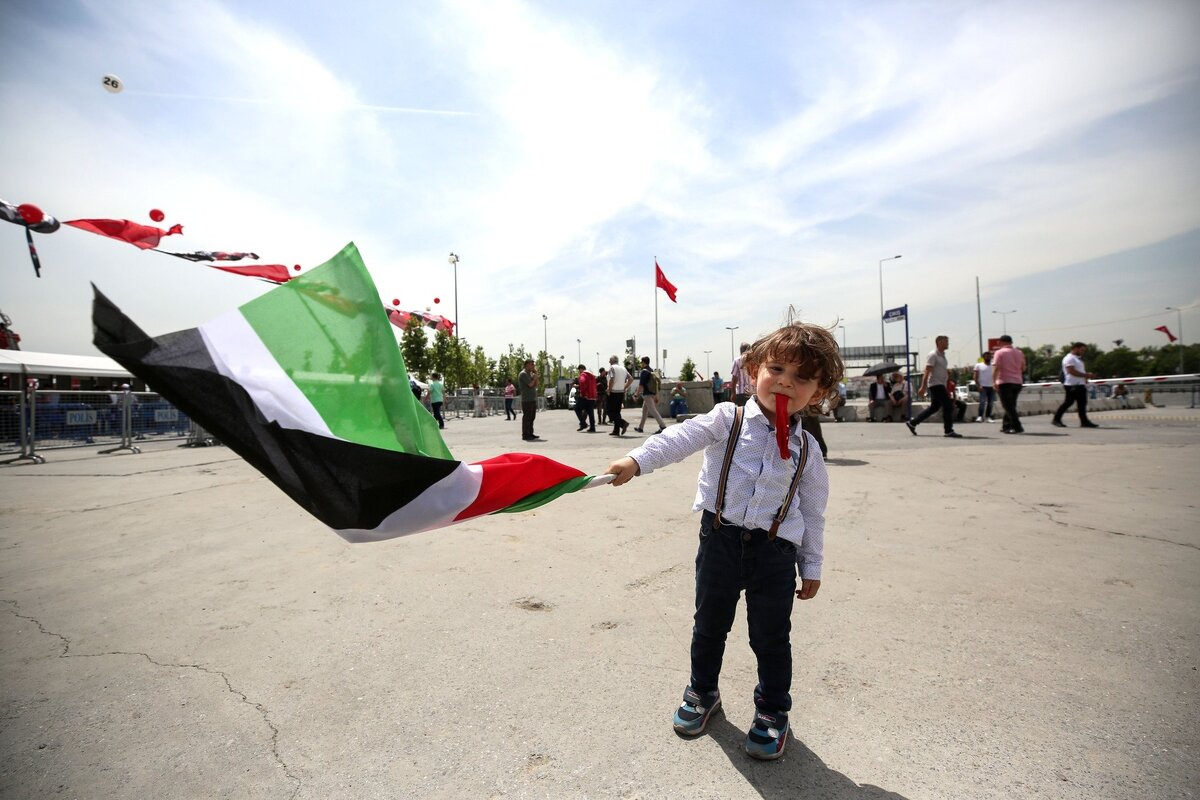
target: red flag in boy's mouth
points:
(783, 425)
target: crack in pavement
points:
(140, 500)
(262, 710)
(1050, 516)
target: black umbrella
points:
(883, 368)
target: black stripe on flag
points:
(343, 484)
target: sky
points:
(768, 155)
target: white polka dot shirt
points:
(758, 478)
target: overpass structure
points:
(867, 357)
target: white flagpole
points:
(656, 350)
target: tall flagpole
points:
(656, 312)
(979, 314)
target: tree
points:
(458, 368)
(1119, 363)
(480, 368)
(510, 363)
(441, 355)
(412, 348)
(688, 371)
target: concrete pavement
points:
(1000, 617)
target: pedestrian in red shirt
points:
(586, 399)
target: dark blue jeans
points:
(939, 398)
(731, 560)
(986, 397)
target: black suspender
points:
(735, 431)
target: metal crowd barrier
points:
(52, 419)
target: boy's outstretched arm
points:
(624, 468)
(808, 589)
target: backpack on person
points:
(652, 384)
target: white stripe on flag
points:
(436, 507)
(242, 357)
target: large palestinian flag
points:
(307, 384)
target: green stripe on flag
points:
(328, 331)
(546, 495)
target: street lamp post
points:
(842, 328)
(731, 329)
(453, 259)
(546, 346)
(579, 351)
(1180, 312)
(882, 338)
(707, 363)
(1004, 318)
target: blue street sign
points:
(896, 314)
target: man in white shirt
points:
(987, 392)
(618, 381)
(1075, 379)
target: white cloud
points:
(1010, 140)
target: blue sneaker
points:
(767, 736)
(691, 718)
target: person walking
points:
(1075, 383)
(602, 397)
(585, 400)
(933, 381)
(1008, 375)
(528, 382)
(437, 396)
(648, 391)
(618, 382)
(718, 388)
(510, 392)
(987, 393)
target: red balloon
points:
(395, 302)
(437, 299)
(30, 213)
(297, 268)
(157, 215)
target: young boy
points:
(744, 544)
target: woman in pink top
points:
(510, 392)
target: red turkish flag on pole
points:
(661, 282)
(1170, 336)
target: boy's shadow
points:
(797, 775)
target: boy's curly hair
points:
(811, 346)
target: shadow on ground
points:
(846, 462)
(797, 775)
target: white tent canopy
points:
(61, 364)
